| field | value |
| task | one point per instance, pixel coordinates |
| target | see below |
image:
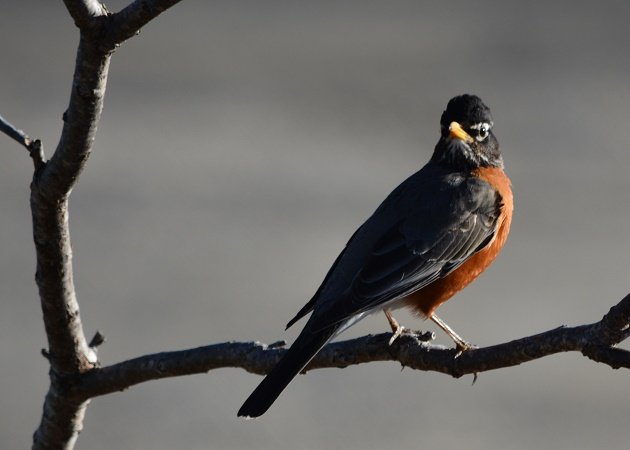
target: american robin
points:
(431, 237)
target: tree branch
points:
(50, 190)
(84, 11)
(128, 22)
(18, 135)
(51, 186)
(80, 122)
(34, 146)
(410, 350)
(69, 353)
(54, 433)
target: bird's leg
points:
(397, 328)
(461, 344)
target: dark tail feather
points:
(301, 352)
(304, 311)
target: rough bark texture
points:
(75, 375)
(410, 350)
(68, 351)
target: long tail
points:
(301, 352)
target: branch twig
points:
(34, 146)
(18, 135)
(127, 22)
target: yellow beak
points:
(456, 131)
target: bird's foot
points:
(397, 328)
(397, 333)
(462, 346)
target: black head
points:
(467, 141)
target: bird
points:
(431, 237)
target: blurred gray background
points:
(241, 144)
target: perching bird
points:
(431, 237)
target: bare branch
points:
(127, 22)
(616, 358)
(18, 135)
(62, 421)
(69, 353)
(34, 146)
(615, 326)
(50, 189)
(80, 122)
(410, 350)
(83, 11)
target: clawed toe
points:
(397, 332)
(463, 346)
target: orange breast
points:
(426, 300)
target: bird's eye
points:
(482, 135)
(482, 131)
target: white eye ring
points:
(482, 129)
(482, 134)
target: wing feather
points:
(430, 242)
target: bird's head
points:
(467, 141)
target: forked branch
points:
(68, 351)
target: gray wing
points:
(442, 229)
